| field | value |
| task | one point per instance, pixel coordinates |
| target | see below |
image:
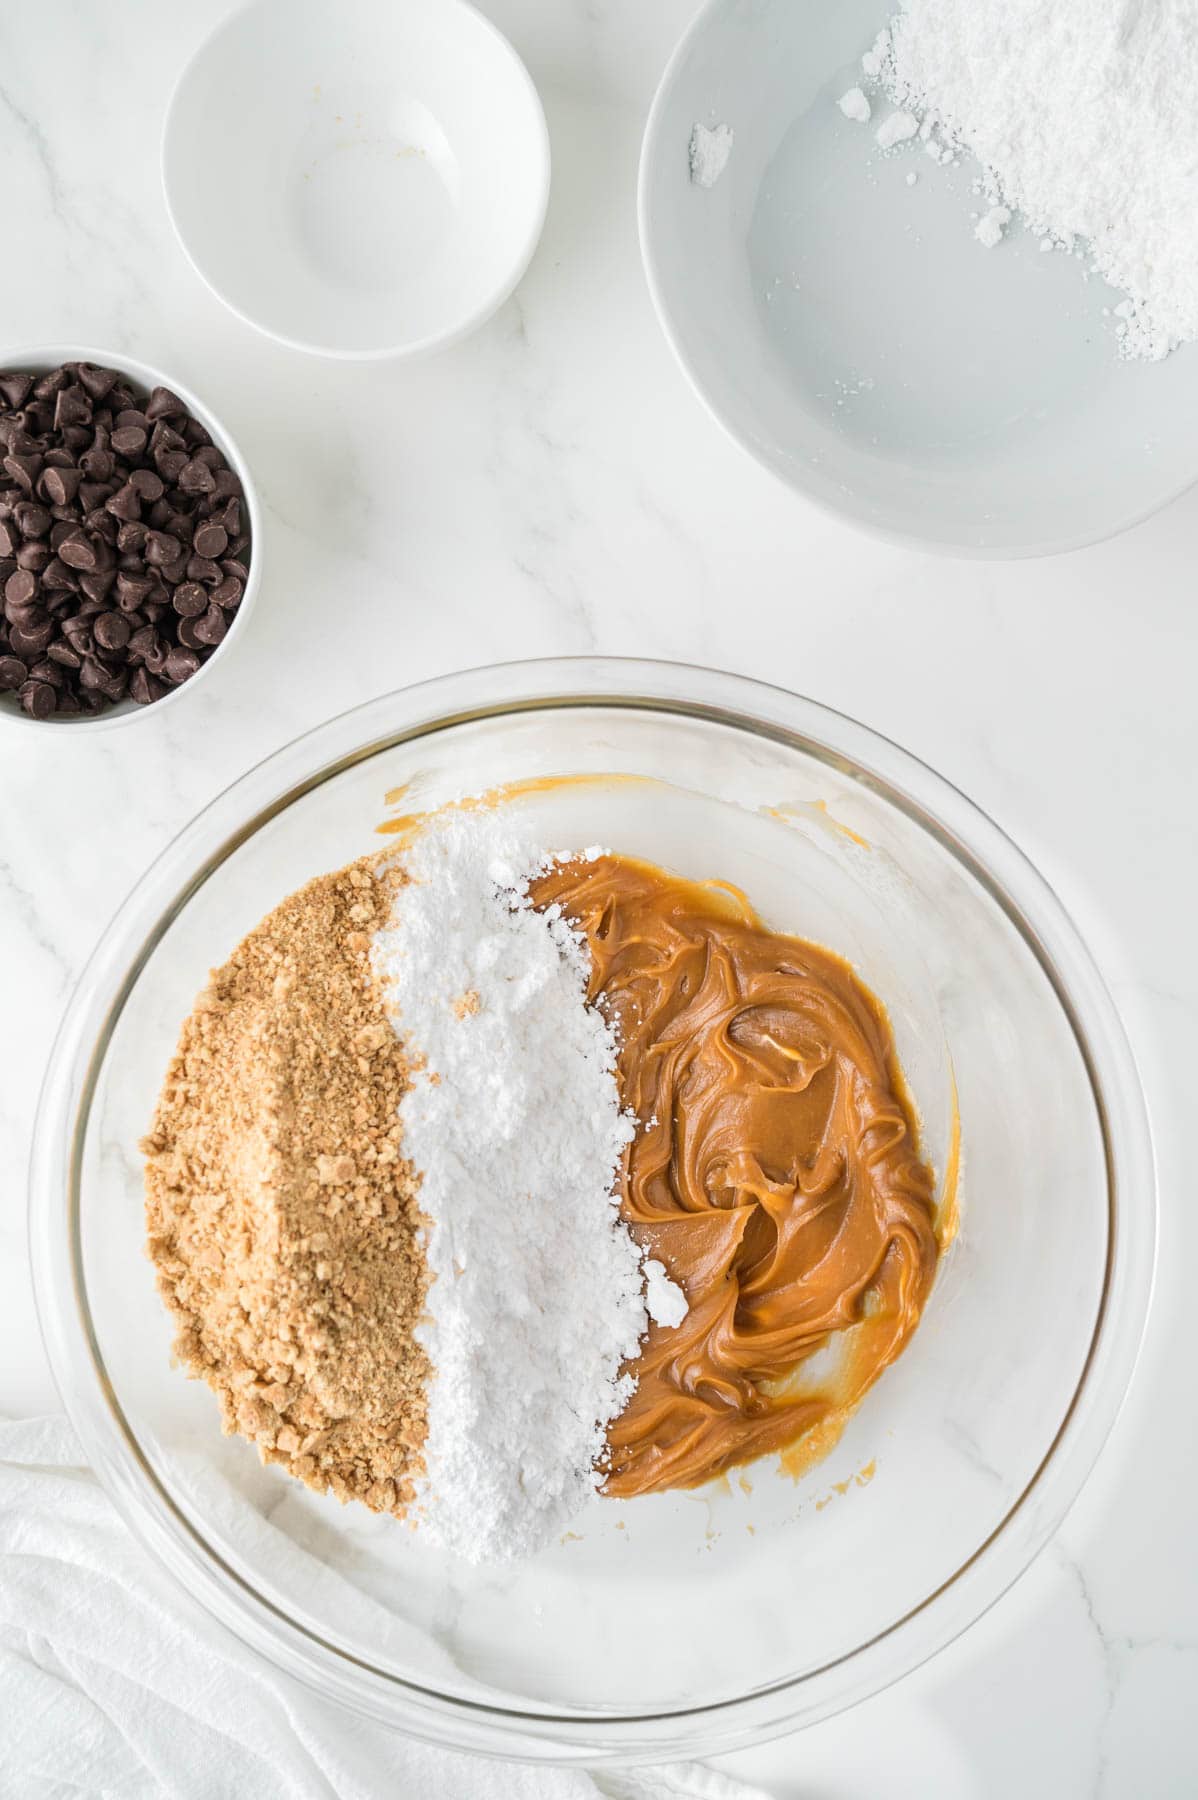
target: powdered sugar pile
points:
(1084, 115)
(539, 1293)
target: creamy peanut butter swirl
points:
(777, 1175)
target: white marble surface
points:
(552, 486)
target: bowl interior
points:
(852, 333)
(681, 1600)
(400, 168)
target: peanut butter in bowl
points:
(776, 1174)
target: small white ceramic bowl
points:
(40, 359)
(365, 180)
(847, 328)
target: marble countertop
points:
(552, 486)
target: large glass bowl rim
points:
(772, 713)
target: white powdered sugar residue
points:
(514, 1122)
(708, 152)
(1084, 116)
(899, 128)
(855, 106)
(665, 1301)
(992, 225)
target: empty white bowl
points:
(364, 180)
(848, 329)
(39, 359)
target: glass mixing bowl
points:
(680, 1622)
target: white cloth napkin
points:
(114, 1687)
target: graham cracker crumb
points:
(467, 1004)
(281, 1215)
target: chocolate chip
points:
(181, 665)
(12, 670)
(34, 521)
(93, 494)
(163, 437)
(81, 643)
(78, 551)
(196, 477)
(97, 382)
(161, 548)
(165, 405)
(211, 541)
(228, 594)
(189, 600)
(59, 486)
(46, 386)
(142, 643)
(188, 635)
(154, 659)
(28, 616)
(73, 407)
(146, 485)
(98, 584)
(15, 390)
(98, 463)
(10, 537)
(112, 631)
(145, 688)
(29, 644)
(131, 590)
(48, 671)
(28, 619)
(199, 568)
(57, 575)
(125, 504)
(170, 463)
(24, 470)
(37, 698)
(211, 628)
(129, 440)
(21, 588)
(34, 555)
(63, 653)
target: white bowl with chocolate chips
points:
(128, 538)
